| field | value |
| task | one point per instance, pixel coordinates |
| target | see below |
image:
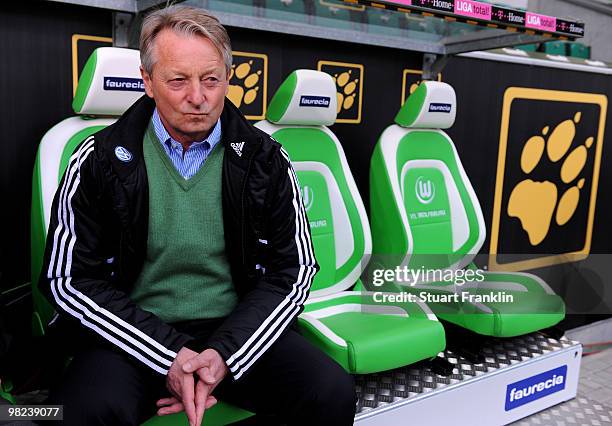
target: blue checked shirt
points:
(189, 164)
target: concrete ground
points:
(592, 406)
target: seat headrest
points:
(306, 97)
(433, 105)
(109, 83)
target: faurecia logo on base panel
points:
(314, 101)
(536, 387)
(440, 108)
(124, 83)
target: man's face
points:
(188, 84)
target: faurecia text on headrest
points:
(124, 83)
(440, 108)
(315, 101)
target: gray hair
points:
(183, 20)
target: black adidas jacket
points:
(98, 237)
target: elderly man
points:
(179, 254)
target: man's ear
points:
(226, 89)
(146, 78)
(227, 78)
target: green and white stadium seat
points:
(425, 215)
(97, 107)
(362, 335)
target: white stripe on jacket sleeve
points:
(108, 325)
(271, 328)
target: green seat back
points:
(97, 95)
(420, 193)
(52, 158)
(335, 211)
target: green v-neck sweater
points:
(186, 275)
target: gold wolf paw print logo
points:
(534, 203)
(411, 79)
(245, 84)
(346, 90)
(349, 79)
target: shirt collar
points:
(164, 137)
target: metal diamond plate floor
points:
(592, 407)
(394, 386)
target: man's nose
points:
(196, 94)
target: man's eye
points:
(211, 81)
(177, 81)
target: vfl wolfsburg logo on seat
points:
(425, 190)
(307, 197)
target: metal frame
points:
(122, 22)
(515, 56)
(475, 392)
(288, 27)
(488, 39)
(128, 6)
(128, 14)
(493, 39)
(500, 17)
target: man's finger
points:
(205, 373)
(201, 397)
(173, 388)
(166, 401)
(187, 391)
(210, 401)
(177, 407)
(196, 363)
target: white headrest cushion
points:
(432, 106)
(110, 82)
(306, 97)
